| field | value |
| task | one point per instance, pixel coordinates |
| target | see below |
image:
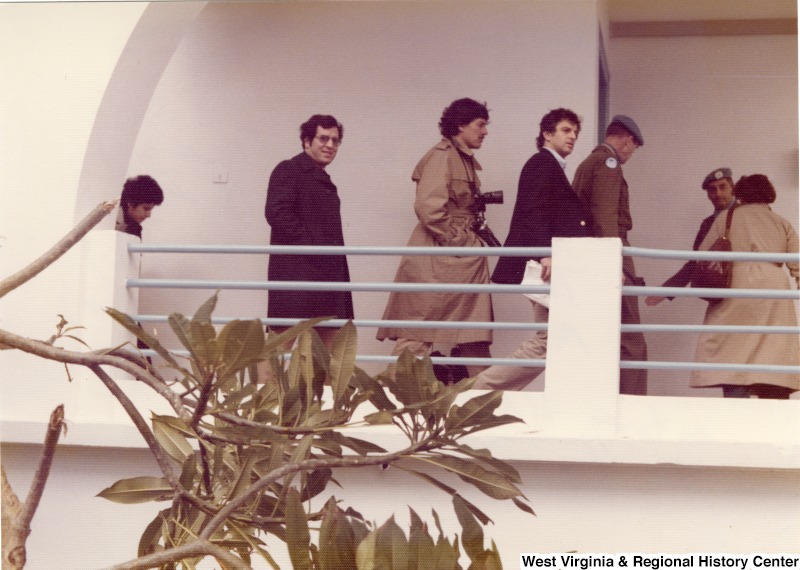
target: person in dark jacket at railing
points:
(139, 196)
(303, 209)
(546, 207)
(719, 187)
(754, 228)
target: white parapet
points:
(583, 339)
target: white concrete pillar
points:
(104, 268)
(582, 385)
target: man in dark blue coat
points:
(303, 209)
(546, 207)
(719, 188)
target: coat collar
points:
(308, 165)
(446, 144)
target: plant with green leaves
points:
(246, 455)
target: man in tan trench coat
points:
(602, 187)
(445, 205)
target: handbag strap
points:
(728, 221)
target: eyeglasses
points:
(325, 139)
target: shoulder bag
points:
(715, 274)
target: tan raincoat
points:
(755, 228)
(445, 179)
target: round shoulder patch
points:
(611, 162)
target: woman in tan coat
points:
(447, 186)
(754, 228)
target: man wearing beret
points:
(602, 187)
(719, 187)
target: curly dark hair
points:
(308, 130)
(141, 190)
(755, 188)
(550, 121)
(459, 113)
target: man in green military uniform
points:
(602, 187)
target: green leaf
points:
(151, 341)
(188, 472)
(404, 386)
(523, 506)
(316, 482)
(472, 534)
(492, 422)
(182, 328)
(486, 458)
(300, 453)
(379, 418)
(474, 411)
(241, 344)
(337, 547)
(275, 342)
(203, 314)
(76, 339)
(171, 440)
(343, 360)
(152, 534)
(480, 515)
(365, 553)
(420, 543)
(255, 545)
(204, 343)
(377, 397)
(392, 545)
(487, 560)
(298, 538)
(492, 484)
(360, 446)
(243, 477)
(138, 490)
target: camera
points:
(491, 197)
(479, 226)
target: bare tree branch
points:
(14, 555)
(89, 359)
(18, 523)
(178, 553)
(137, 419)
(236, 420)
(50, 256)
(31, 503)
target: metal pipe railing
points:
(484, 288)
(496, 325)
(458, 251)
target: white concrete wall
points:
(579, 506)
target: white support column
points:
(582, 383)
(105, 267)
